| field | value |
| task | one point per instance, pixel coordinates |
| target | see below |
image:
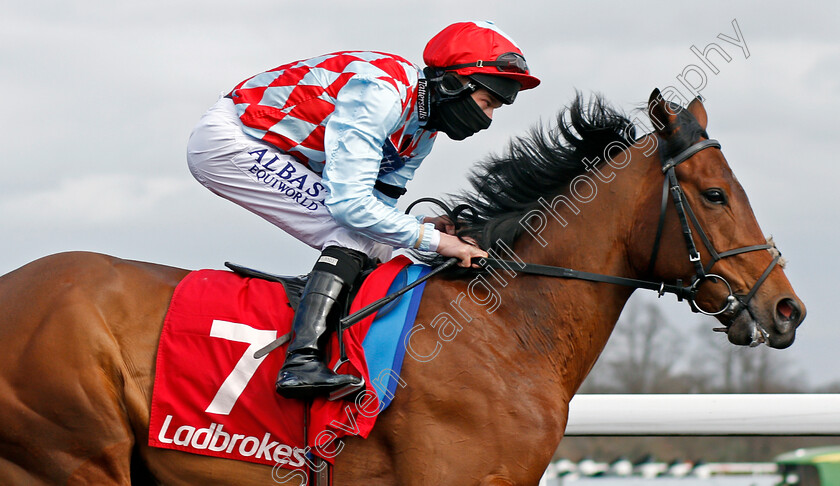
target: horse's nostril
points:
(785, 308)
(788, 315)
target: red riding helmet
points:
(482, 52)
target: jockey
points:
(323, 148)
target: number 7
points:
(238, 379)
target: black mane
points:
(540, 165)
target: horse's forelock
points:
(686, 132)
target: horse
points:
(485, 398)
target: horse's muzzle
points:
(749, 326)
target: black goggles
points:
(509, 62)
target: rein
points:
(561, 272)
(733, 304)
(671, 189)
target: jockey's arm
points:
(367, 111)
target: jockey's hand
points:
(442, 224)
(451, 246)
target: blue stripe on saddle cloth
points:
(384, 343)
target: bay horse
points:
(80, 330)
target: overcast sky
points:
(100, 98)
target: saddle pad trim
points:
(384, 344)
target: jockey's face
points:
(486, 101)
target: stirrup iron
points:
(347, 389)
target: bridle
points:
(733, 305)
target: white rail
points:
(704, 414)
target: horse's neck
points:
(569, 321)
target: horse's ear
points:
(697, 109)
(660, 115)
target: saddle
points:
(294, 284)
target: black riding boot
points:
(304, 374)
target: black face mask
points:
(457, 116)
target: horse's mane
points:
(539, 165)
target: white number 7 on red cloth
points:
(238, 379)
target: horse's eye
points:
(715, 195)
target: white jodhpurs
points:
(268, 182)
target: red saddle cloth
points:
(212, 397)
